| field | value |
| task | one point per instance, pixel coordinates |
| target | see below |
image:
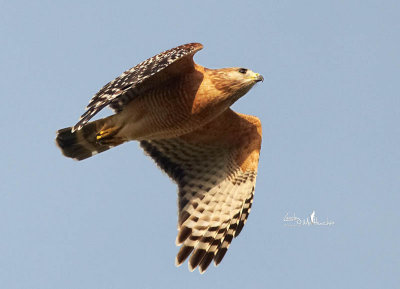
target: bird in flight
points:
(180, 113)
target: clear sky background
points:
(330, 109)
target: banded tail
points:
(91, 139)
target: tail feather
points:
(83, 143)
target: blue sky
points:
(329, 106)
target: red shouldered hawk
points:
(180, 113)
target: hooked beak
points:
(258, 77)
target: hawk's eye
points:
(243, 70)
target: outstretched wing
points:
(121, 90)
(215, 169)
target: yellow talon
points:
(106, 133)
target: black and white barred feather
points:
(215, 197)
(120, 91)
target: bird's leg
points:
(107, 136)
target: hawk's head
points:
(234, 82)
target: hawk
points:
(180, 113)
